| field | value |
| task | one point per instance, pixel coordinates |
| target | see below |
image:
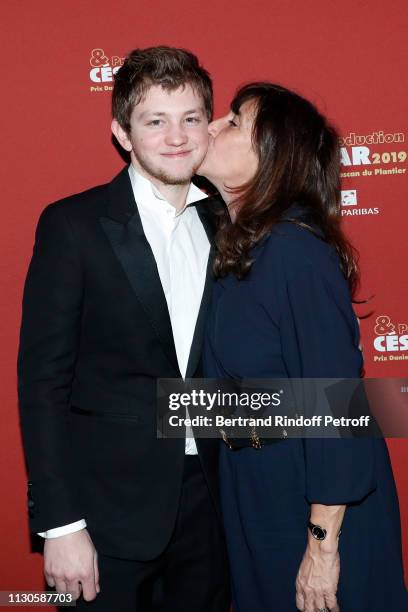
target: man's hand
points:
(317, 580)
(71, 562)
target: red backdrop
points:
(348, 57)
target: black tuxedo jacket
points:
(95, 336)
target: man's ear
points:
(121, 135)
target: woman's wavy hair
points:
(299, 162)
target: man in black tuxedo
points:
(116, 297)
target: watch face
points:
(318, 533)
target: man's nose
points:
(176, 135)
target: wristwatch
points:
(318, 532)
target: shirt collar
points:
(147, 195)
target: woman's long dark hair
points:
(299, 162)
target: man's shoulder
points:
(90, 202)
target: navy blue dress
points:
(292, 317)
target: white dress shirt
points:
(180, 247)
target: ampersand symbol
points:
(98, 58)
(384, 326)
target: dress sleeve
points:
(320, 339)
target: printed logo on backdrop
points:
(375, 154)
(390, 340)
(350, 208)
(102, 70)
(370, 155)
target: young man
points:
(116, 297)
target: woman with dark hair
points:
(282, 308)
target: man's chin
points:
(170, 178)
(167, 175)
(181, 178)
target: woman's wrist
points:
(328, 546)
(325, 528)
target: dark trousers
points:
(191, 573)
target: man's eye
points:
(155, 122)
(193, 119)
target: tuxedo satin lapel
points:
(124, 230)
(204, 209)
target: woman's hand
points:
(318, 576)
(317, 579)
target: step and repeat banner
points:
(59, 61)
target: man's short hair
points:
(166, 66)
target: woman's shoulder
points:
(294, 256)
(298, 246)
(298, 262)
